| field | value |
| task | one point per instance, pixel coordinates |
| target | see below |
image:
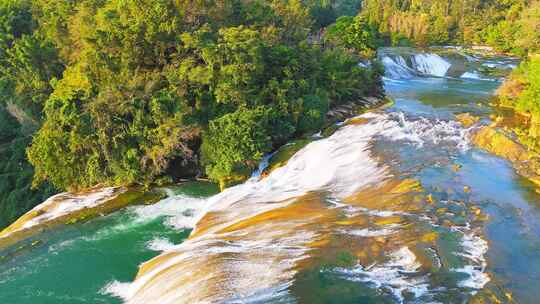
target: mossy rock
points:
(467, 120)
(240, 175)
(134, 195)
(494, 141)
(282, 156)
(525, 161)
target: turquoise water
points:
(512, 203)
(78, 263)
(74, 264)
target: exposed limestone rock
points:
(342, 112)
(526, 162)
(467, 120)
(496, 142)
(68, 208)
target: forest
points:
(115, 92)
(122, 92)
(509, 26)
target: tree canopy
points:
(116, 92)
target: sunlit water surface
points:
(470, 227)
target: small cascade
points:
(396, 68)
(474, 75)
(422, 131)
(406, 66)
(265, 161)
(430, 64)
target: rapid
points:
(396, 206)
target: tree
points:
(354, 33)
(236, 140)
(148, 78)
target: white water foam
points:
(116, 289)
(369, 232)
(70, 203)
(422, 130)
(339, 165)
(424, 64)
(256, 175)
(160, 244)
(65, 203)
(500, 65)
(474, 250)
(398, 275)
(430, 64)
(279, 294)
(396, 68)
(475, 76)
(180, 211)
(477, 277)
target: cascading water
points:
(430, 64)
(396, 68)
(275, 223)
(395, 207)
(409, 65)
(275, 246)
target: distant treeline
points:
(506, 25)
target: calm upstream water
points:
(399, 208)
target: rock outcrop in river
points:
(66, 208)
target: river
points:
(396, 206)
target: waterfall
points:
(411, 65)
(230, 240)
(430, 64)
(474, 75)
(265, 161)
(274, 223)
(396, 68)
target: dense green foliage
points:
(16, 195)
(529, 99)
(27, 65)
(516, 28)
(115, 92)
(354, 33)
(521, 90)
(325, 12)
(506, 25)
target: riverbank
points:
(71, 207)
(279, 156)
(502, 138)
(68, 208)
(514, 131)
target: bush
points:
(239, 140)
(354, 33)
(313, 113)
(529, 99)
